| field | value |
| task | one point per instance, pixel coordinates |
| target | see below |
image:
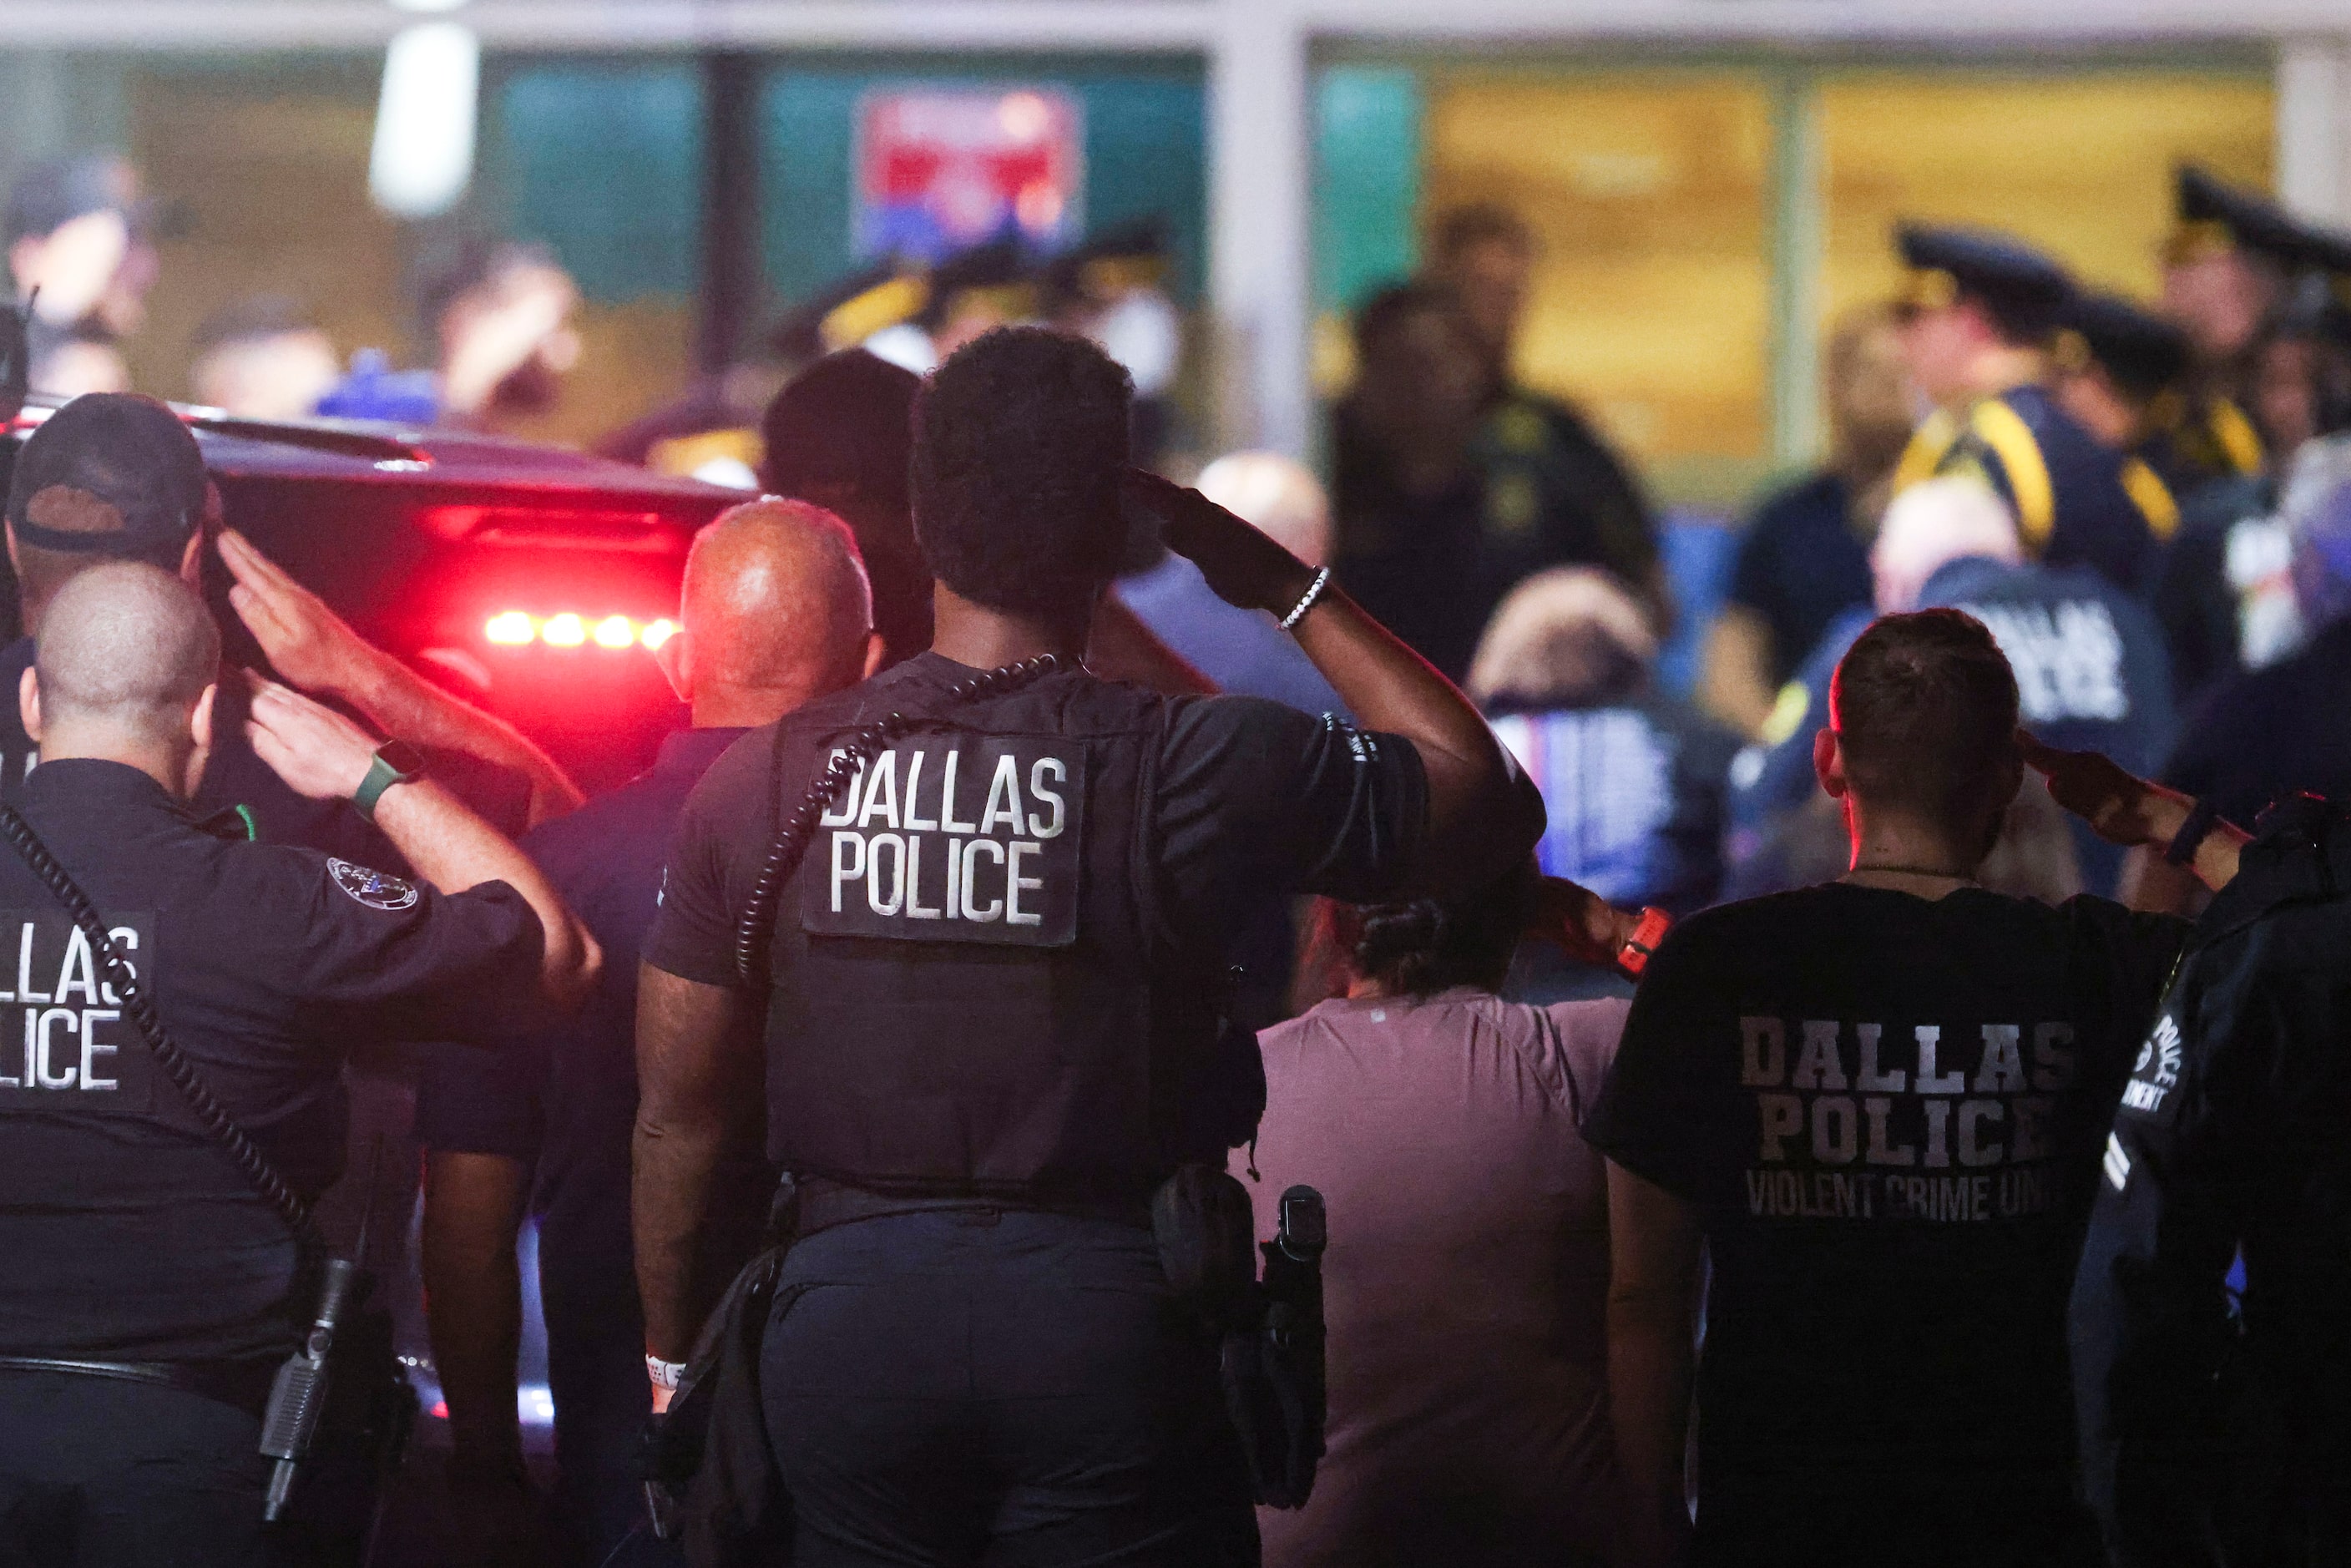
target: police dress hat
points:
(2216, 218)
(995, 276)
(128, 452)
(2021, 288)
(2142, 354)
(847, 311)
(1131, 255)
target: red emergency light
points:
(571, 629)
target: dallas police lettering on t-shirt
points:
(1860, 1122)
(65, 1044)
(954, 838)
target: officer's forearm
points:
(399, 702)
(1484, 815)
(2217, 853)
(684, 1075)
(453, 849)
(473, 1299)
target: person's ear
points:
(874, 650)
(677, 666)
(28, 702)
(13, 564)
(200, 719)
(191, 561)
(1828, 763)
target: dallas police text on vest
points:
(71, 1048)
(955, 839)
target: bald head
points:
(776, 606)
(125, 652)
(1932, 524)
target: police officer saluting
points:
(152, 1287)
(989, 992)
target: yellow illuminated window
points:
(2079, 165)
(1649, 191)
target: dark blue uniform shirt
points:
(130, 1234)
(2273, 731)
(567, 1100)
(1801, 566)
(2078, 501)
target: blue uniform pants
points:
(100, 1474)
(981, 1386)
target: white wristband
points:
(1306, 600)
(664, 1374)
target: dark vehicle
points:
(528, 580)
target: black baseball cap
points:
(127, 452)
(2144, 354)
(2021, 288)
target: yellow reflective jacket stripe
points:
(2235, 432)
(2011, 441)
(2152, 496)
(1929, 445)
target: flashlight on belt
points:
(298, 1394)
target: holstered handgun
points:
(1270, 1332)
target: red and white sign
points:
(939, 168)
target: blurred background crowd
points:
(1636, 382)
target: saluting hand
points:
(2120, 807)
(1581, 923)
(1243, 565)
(319, 752)
(304, 641)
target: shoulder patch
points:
(375, 889)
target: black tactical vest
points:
(971, 989)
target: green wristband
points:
(395, 762)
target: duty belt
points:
(823, 1203)
(244, 1385)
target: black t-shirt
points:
(130, 1234)
(1888, 1111)
(1255, 801)
(1799, 566)
(2273, 732)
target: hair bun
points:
(1394, 934)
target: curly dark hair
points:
(1020, 442)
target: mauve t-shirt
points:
(1467, 1281)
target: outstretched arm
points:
(1483, 812)
(2135, 813)
(312, 647)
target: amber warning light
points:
(517, 629)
